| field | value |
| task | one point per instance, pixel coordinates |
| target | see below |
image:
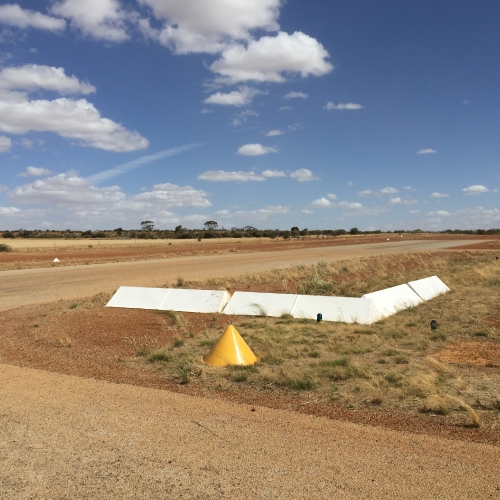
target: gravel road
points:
(35, 286)
(64, 437)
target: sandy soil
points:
(92, 439)
(27, 254)
(35, 286)
(91, 343)
(65, 437)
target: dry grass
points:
(388, 364)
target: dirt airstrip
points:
(83, 422)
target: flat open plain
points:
(65, 437)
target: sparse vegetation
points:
(5, 248)
(385, 364)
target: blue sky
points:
(324, 114)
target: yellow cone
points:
(230, 349)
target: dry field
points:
(396, 373)
(37, 253)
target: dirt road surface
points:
(35, 286)
(64, 437)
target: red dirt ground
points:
(33, 336)
(471, 353)
(44, 257)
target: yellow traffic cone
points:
(230, 349)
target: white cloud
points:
(409, 188)
(75, 197)
(481, 217)
(388, 190)
(66, 189)
(255, 150)
(351, 206)
(321, 203)
(206, 26)
(303, 175)
(477, 189)
(241, 97)
(296, 95)
(426, 151)
(223, 176)
(270, 59)
(5, 144)
(274, 132)
(307, 211)
(440, 213)
(33, 77)
(8, 211)
(396, 201)
(206, 111)
(439, 195)
(35, 172)
(143, 160)
(273, 173)
(14, 15)
(332, 196)
(414, 211)
(99, 19)
(343, 106)
(73, 119)
(365, 192)
(171, 195)
(262, 213)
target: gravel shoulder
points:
(82, 438)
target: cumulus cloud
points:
(33, 77)
(303, 175)
(342, 106)
(332, 196)
(207, 26)
(262, 213)
(350, 205)
(388, 190)
(365, 192)
(477, 189)
(475, 217)
(437, 194)
(35, 172)
(99, 19)
(14, 15)
(70, 118)
(241, 97)
(427, 151)
(321, 203)
(307, 211)
(255, 150)
(296, 95)
(71, 195)
(223, 176)
(273, 173)
(440, 213)
(395, 201)
(274, 132)
(271, 59)
(5, 144)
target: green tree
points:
(147, 225)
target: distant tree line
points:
(211, 230)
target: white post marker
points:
(56, 260)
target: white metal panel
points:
(342, 309)
(134, 297)
(200, 301)
(255, 304)
(428, 288)
(392, 300)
